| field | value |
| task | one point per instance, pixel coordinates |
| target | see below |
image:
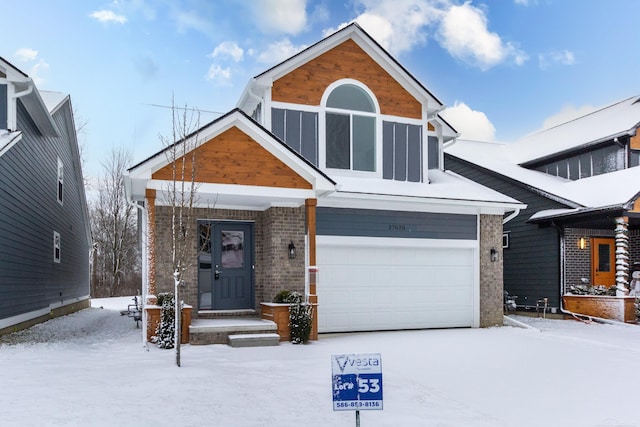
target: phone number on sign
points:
(358, 404)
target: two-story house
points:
(580, 181)
(328, 179)
(45, 236)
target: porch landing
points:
(247, 331)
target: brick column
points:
(491, 272)
(310, 205)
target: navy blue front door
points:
(232, 266)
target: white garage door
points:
(369, 284)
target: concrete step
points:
(253, 340)
(217, 331)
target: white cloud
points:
(471, 124)
(26, 54)
(398, 25)
(280, 16)
(36, 70)
(279, 51)
(401, 25)
(464, 33)
(567, 113)
(218, 74)
(108, 16)
(522, 2)
(192, 20)
(564, 57)
(228, 49)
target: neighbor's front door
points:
(603, 269)
(232, 266)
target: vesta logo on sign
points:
(356, 361)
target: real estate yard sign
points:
(357, 381)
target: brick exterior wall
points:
(274, 229)
(577, 262)
(491, 272)
(634, 247)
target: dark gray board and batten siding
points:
(4, 117)
(30, 280)
(532, 260)
(399, 224)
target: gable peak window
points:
(350, 121)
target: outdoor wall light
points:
(292, 250)
(582, 243)
(494, 254)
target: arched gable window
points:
(350, 129)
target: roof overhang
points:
(233, 196)
(602, 217)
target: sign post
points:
(356, 382)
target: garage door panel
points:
(381, 288)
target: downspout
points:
(145, 268)
(510, 217)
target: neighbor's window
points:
(60, 180)
(56, 247)
(350, 129)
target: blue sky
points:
(505, 68)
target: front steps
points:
(234, 331)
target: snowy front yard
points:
(90, 368)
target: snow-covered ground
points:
(90, 368)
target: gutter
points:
(24, 92)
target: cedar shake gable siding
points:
(307, 83)
(233, 157)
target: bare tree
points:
(113, 225)
(181, 152)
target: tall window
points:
(56, 247)
(60, 180)
(350, 129)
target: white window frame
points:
(60, 182)
(57, 250)
(322, 130)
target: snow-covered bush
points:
(300, 318)
(592, 290)
(165, 332)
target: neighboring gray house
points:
(45, 236)
(580, 181)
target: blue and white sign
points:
(357, 381)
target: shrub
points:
(300, 318)
(282, 296)
(165, 332)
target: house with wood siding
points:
(45, 235)
(580, 181)
(328, 179)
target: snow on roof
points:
(608, 189)
(446, 186)
(606, 123)
(52, 99)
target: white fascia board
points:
(240, 190)
(416, 204)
